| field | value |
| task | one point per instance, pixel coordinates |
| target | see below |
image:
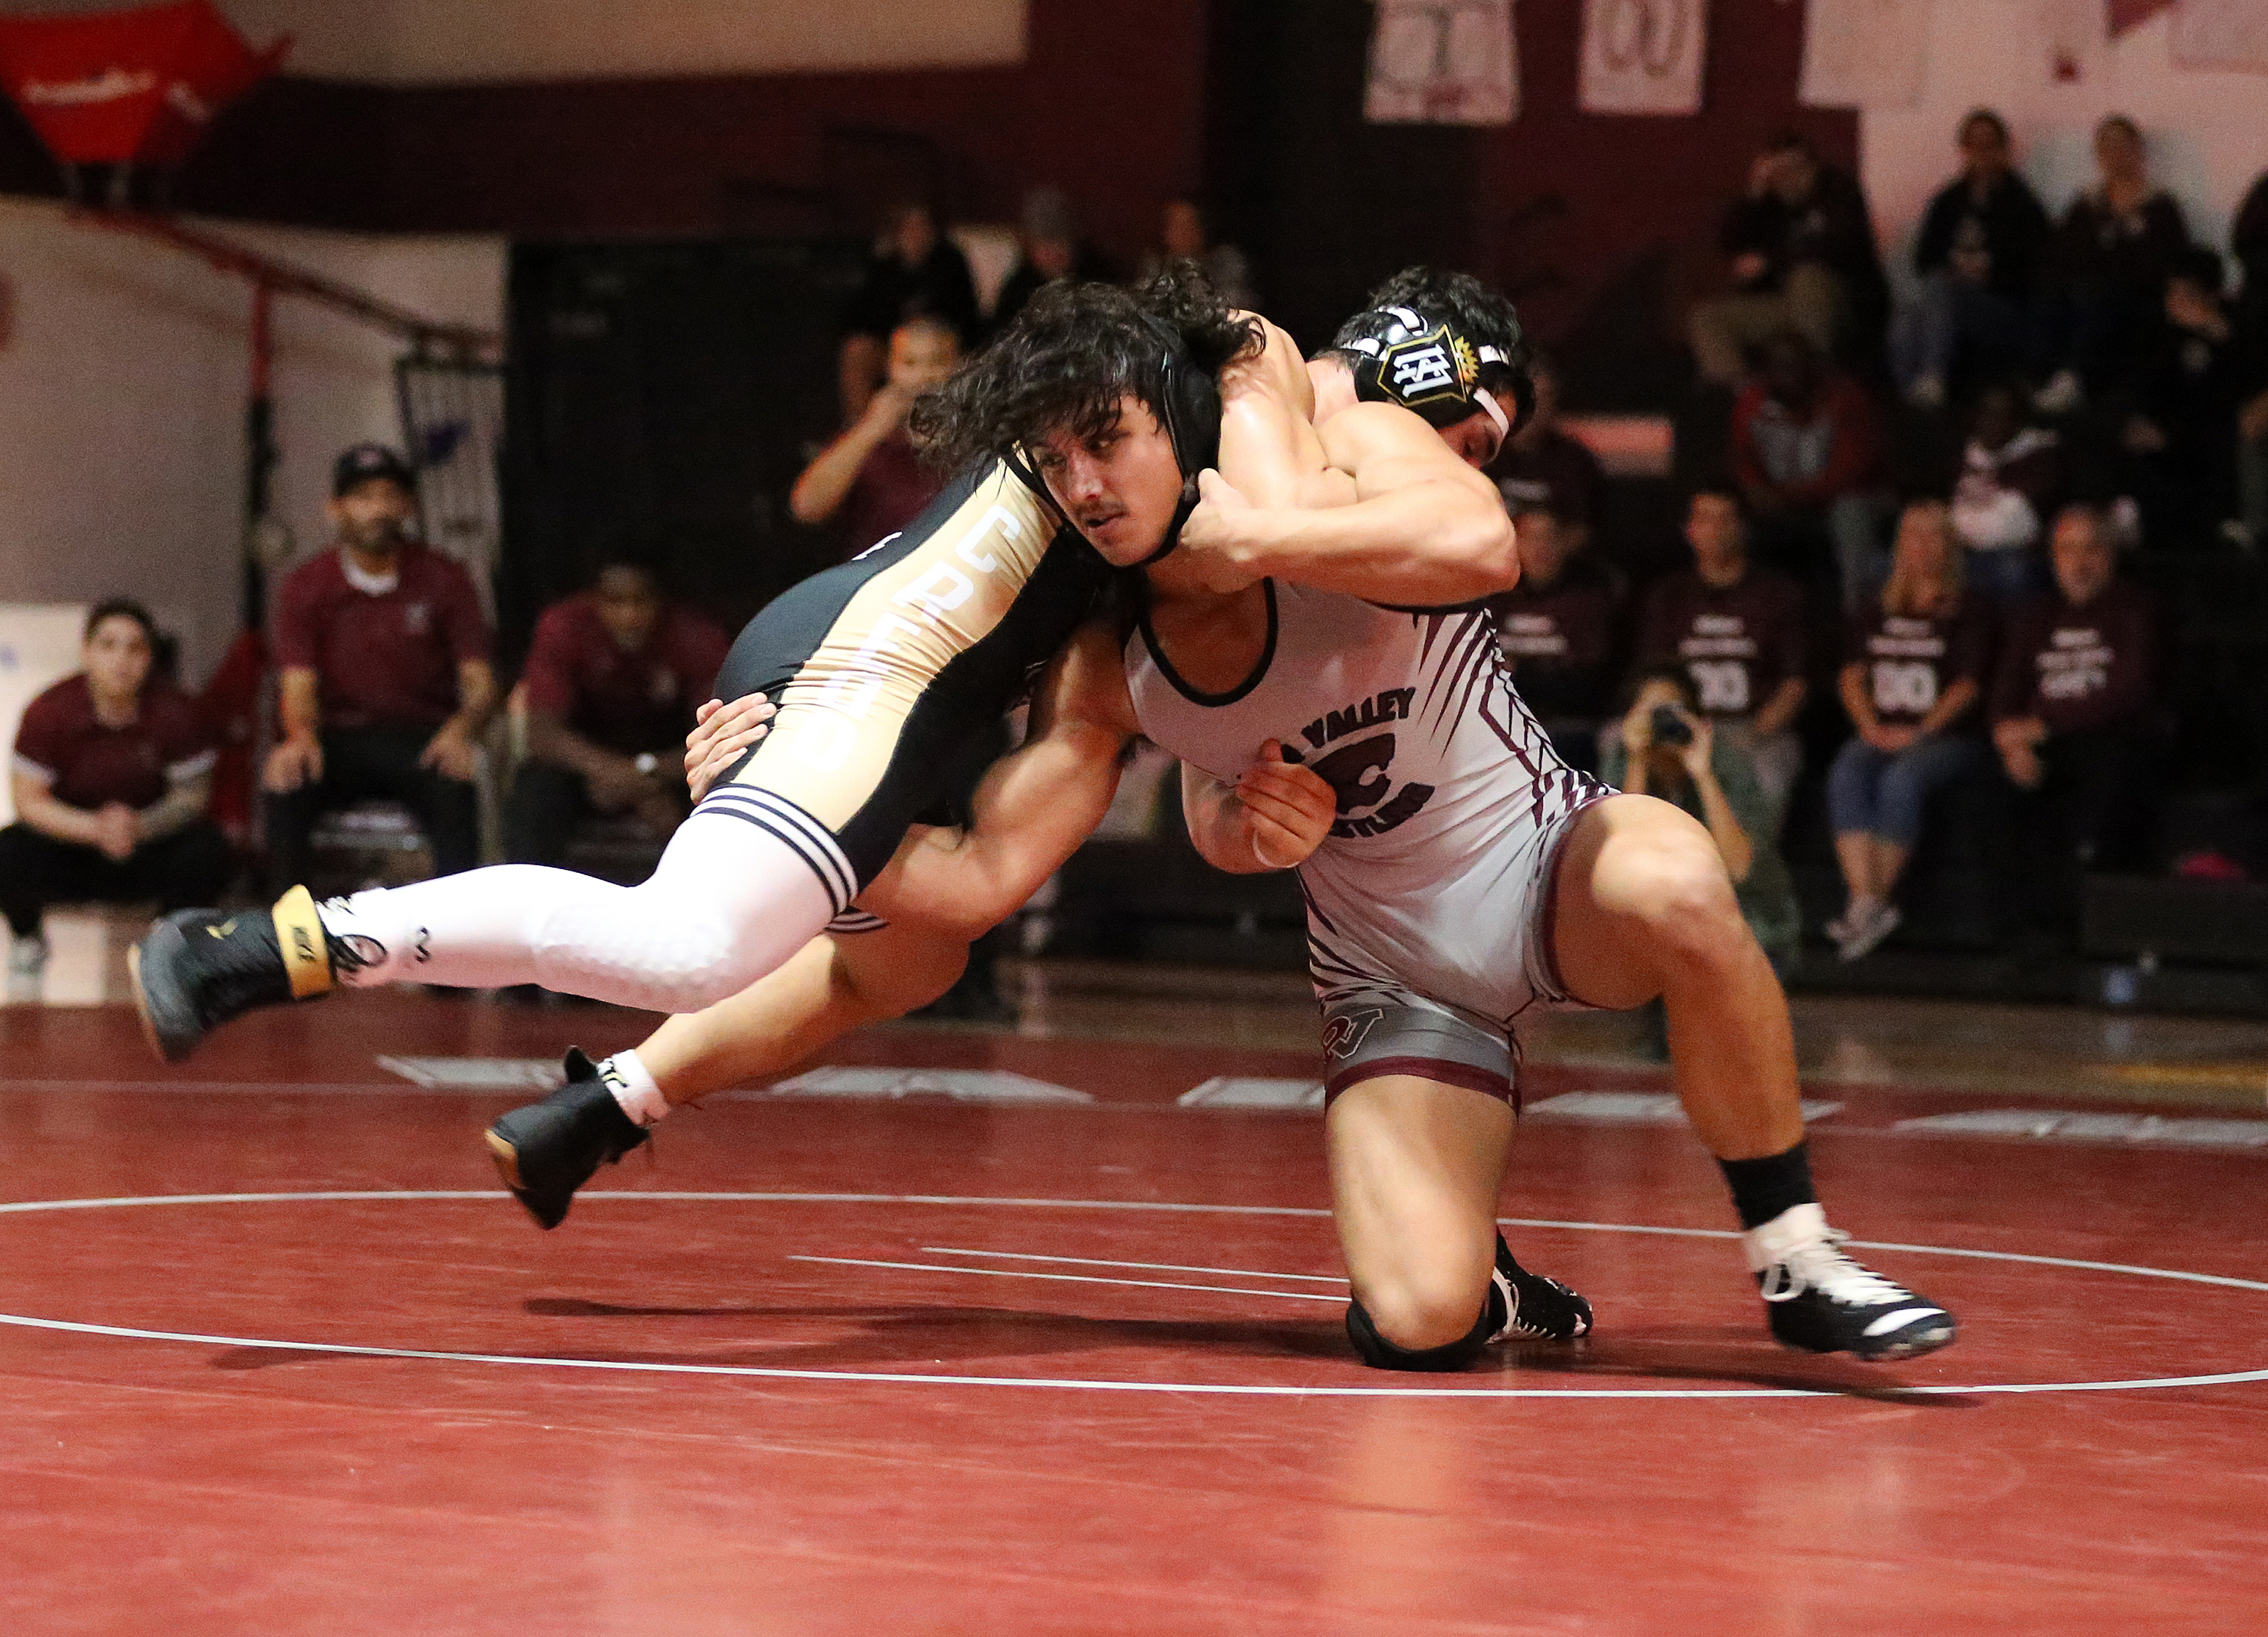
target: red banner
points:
(119, 87)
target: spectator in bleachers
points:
(1542, 468)
(916, 272)
(112, 772)
(1911, 682)
(1978, 258)
(613, 678)
(1049, 248)
(2072, 714)
(1556, 630)
(1808, 452)
(2176, 411)
(385, 685)
(870, 482)
(2249, 242)
(1669, 747)
(1801, 251)
(1738, 632)
(2105, 286)
(1182, 236)
(2011, 478)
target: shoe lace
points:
(1820, 1265)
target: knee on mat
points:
(1420, 1314)
(1380, 1350)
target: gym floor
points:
(1038, 1330)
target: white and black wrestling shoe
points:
(1536, 1308)
(1818, 1299)
(546, 1150)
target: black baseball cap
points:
(366, 463)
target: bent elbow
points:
(1489, 557)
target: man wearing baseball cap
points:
(386, 683)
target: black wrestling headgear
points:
(1425, 365)
(1189, 405)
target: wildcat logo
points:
(1345, 1032)
(1357, 772)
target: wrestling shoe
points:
(197, 968)
(1535, 1309)
(1818, 1299)
(547, 1150)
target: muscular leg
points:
(1417, 1167)
(1645, 908)
(828, 987)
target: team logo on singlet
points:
(1343, 1033)
(1360, 770)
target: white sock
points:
(634, 1088)
(1770, 1242)
(728, 903)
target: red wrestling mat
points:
(857, 1360)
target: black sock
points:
(1763, 1188)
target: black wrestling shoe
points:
(1818, 1299)
(547, 1150)
(197, 968)
(1535, 1309)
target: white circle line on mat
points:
(915, 1378)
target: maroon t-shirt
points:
(1559, 641)
(2080, 668)
(889, 492)
(385, 656)
(88, 765)
(1911, 659)
(1556, 473)
(1738, 643)
(629, 703)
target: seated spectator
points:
(386, 683)
(613, 678)
(2175, 412)
(1668, 748)
(1912, 681)
(1801, 248)
(914, 271)
(1738, 632)
(1049, 248)
(2105, 284)
(2011, 477)
(1978, 256)
(869, 481)
(1181, 237)
(2249, 241)
(1542, 469)
(1808, 456)
(112, 772)
(2071, 706)
(1556, 630)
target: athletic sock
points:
(1764, 1188)
(634, 1088)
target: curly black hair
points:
(1480, 312)
(1068, 359)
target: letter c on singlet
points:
(939, 592)
(984, 562)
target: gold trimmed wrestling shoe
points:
(197, 968)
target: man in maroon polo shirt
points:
(112, 773)
(1556, 632)
(2072, 719)
(870, 482)
(384, 655)
(1739, 632)
(1544, 469)
(611, 684)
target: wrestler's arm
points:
(1268, 446)
(1425, 530)
(1272, 818)
(1034, 807)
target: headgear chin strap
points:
(1428, 367)
(1188, 403)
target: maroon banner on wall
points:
(133, 86)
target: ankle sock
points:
(1764, 1188)
(634, 1088)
